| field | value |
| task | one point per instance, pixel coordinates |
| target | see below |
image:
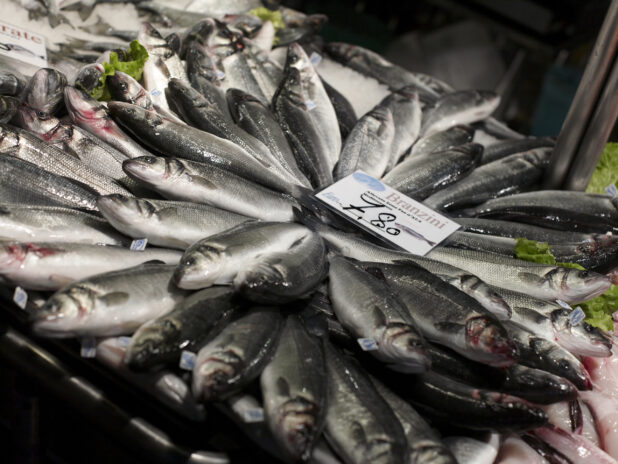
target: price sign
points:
(387, 213)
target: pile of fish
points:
(353, 352)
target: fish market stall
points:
(226, 236)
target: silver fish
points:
(172, 224)
(126, 89)
(218, 259)
(114, 303)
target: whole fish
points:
(509, 147)
(369, 145)
(218, 259)
(92, 116)
(8, 108)
(45, 92)
(556, 209)
(406, 110)
(455, 403)
(26, 223)
(257, 120)
(178, 179)
(537, 280)
(11, 83)
(125, 88)
(346, 116)
(422, 176)
(172, 224)
(424, 443)
(191, 323)
(114, 303)
(362, 250)
(24, 182)
(50, 266)
(368, 308)
(286, 275)
(294, 389)
(360, 425)
(237, 354)
(443, 140)
(173, 139)
(21, 144)
(162, 64)
(462, 107)
(446, 315)
(508, 175)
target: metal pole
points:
(585, 99)
(596, 135)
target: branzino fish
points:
(218, 259)
(360, 424)
(368, 308)
(556, 209)
(50, 266)
(114, 303)
(369, 145)
(193, 322)
(446, 315)
(506, 176)
(237, 354)
(422, 176)
(28, 223)
(538, 280)
(172, 139)
(179, 179)
(294, 388)
(172, 224)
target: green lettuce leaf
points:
(134, 67)
(531, 250)
(274, 16)
(606, 170)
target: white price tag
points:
(22, 45)
(220, 75)
(20, 297)
(253, 415)
(139, 244)
(309, 104)
(367, 344)
(564, 304)
(155, 92)
(315, 58)
(387, 213)
(576, 316)
(187, 360)
(88, 348)
(611, 190)
(124, 342)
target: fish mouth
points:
(144, 168)
(491, 340)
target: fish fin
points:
(283, 388)
(378, 316)
(152, 262)
(203, 182)
(115, 298)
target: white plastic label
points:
(611, 190)
(139, 245)
(367, 344)
(315, 58)
(89, 348)
(387, 213)
(309, 104)
(187, 360)
(124, 342)
(220, 75)
(22, 45)
(576, 316)
(564, 304)
(20, 297)
(155, 92)
(253, 415)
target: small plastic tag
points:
(20, 297)
(187, 360)
(220, 75)
(564, 304)
(367, 344)
(88, 348)
(611, 190)
(576, 316)
(124, 342)
(139, 244)
(309, 104)
(155, 92)
(253, 415)
(315, 58)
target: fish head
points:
(65, 309)
(577, 285)
(212, 374)
(150, 37)
(123, 87)
(147, 341)
(261, 277)
(402, 343)
(88, 78)
(184, 92)
(299, 426)
(430, 451)
(581, 339)
(296, 57)
(199, 267)
(343, 52)
(134, 116)
(487, 336)
(153, 169)
(45, 91)
(124, 209)
(82, 107)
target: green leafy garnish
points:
(274, 16)
(536, 252)
(606, 170)
(134, 67)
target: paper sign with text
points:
(387, 213)
(22, 45)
